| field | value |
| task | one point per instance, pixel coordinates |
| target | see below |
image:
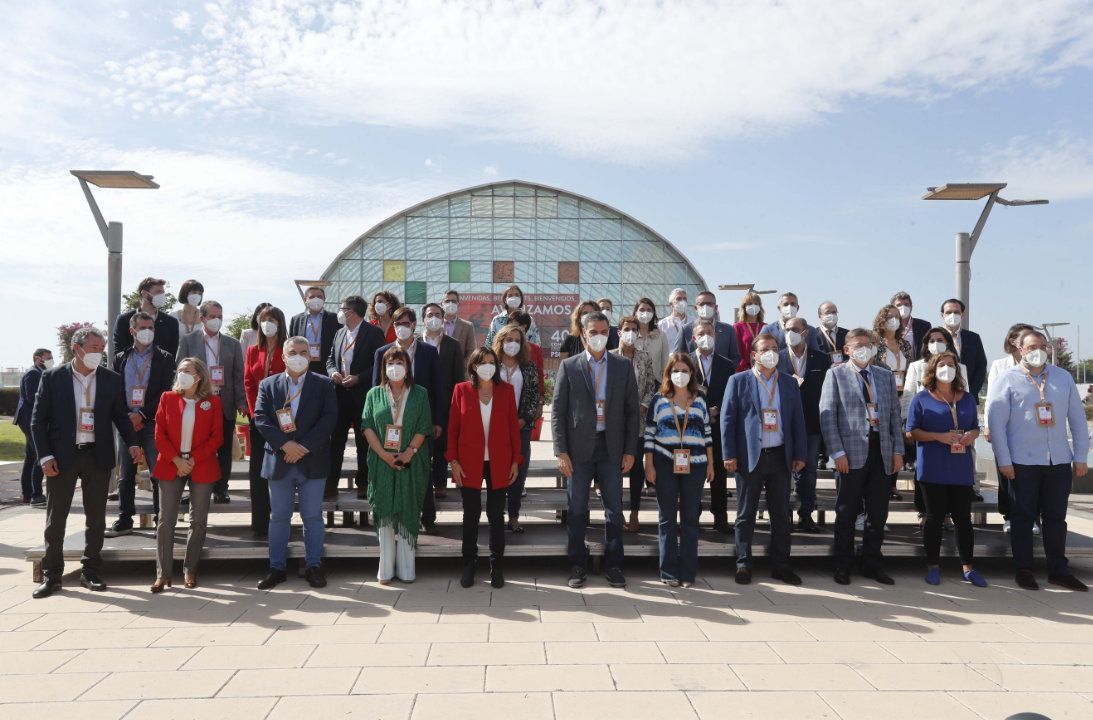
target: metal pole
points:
(113, 282)
(963, 274)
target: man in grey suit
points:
(594, 417)
(224, 356)
(860, 422)
(458, 328)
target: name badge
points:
(601, 415)
(313, 351)
(800, 380)
(87, 420)
(392, 437)
(216, 372)
(1045, 414)
(285, 420)
(770, 419)
(958, 448)
(681, 461)
(136, 397)
(837, 358)
(872, 414)
(899, 374)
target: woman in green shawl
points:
(395, 422)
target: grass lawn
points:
(12, 441)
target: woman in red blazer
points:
(189, 431)
(261, 361)
(483, 444)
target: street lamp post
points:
(111, 232)
(1046, 327)
(965, 242)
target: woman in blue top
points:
(678, 462)
(943, 420)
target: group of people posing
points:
(673, 403)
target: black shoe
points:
(38, 501)
(222, 498)
(578, 577)
(273, 579)
(315, 576)
(805, 523)
(786, 575)
(91, 580)
(614, 578)
(978, 497)
(497, 576)
(1068, 581)
(428, 527)
(47, 588)
(879, 575)
(332, 495)
(112, 496)
(469, 570)
(260, 535)
(842, 576)
(895, 496)
(723, 527)
(1027, 580)
(184, 501)
(743, 576)
(118, 528)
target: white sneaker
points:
(1036, 529)
(1005, 526)
(859, 524)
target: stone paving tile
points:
(548, 678)
(1042, 678)
(328, 634)
(453, 632)
(237, 657)
(542, 632)
(33, 662)
(17, 688)
(511, 653)
(582, 653)
(159, 685)
(206, 708)
(897, 706)
(1057, 706)
(88, 710)
(694, 676)
(297, 681)
(678, 631)
(761, 632)
(348, 707)
(655, 705)
(598, 614)
(112, 638)
(128, 659)
(80, 621)
(527, 706)
(817, 677)
(718, 652)
(849, 652)
(950, 652)
(420, 680)
(489, 615)
(369, 655)
(200, 637)
(924, 676)
(761, 705)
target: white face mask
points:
(380, 308)
(705, 342)
(512, 302)
(937, 346)
(48, 364)
(186, 380)
(433, 323)
(752, 310)
(680, 378)
(450, 307)
(830, 320)
(946, 373)
(92, 359)
(194, 299)
(862, 355)
(159, 301)
(297, 363)
(315, 304)
(891, 324)
(403, 332)
(680, 307)
(645, 316)
(511, 348)
(269, 328)
(596, 343)
(583, 316)
(628, 337)
(705, 312)
(486, 371)
(793, 338)
(789, 311)
(608, 314)
(1036, 358)
(395, 372)
(341, 317)
(145, 336)
(768, 359)
(952, 320)
(904, 311)
(213, 325)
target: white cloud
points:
(182, 21)
(636, 82)
(491, 170)
(1059, 167)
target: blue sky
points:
(785, 144)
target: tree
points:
(1063, 357)
(64, 339)
(132, 301)
(238, 324)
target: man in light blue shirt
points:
(1028, 411)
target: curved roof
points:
(478, 188)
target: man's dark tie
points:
(864, 374)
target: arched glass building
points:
(557, 246)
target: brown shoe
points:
(190, 581)
(160, 584)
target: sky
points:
(782, 143)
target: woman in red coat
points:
(483, 445)
(189, 431)
(261, 361)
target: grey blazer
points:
(232, 394)
(573, 413)
(843, 421)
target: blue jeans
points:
(1040, 491)
(678, 495)
(607, 472)
(516, 490)
(127, 473)
(805, 481)
(281, 495)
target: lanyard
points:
(686, 419)
(702, 367)
(398, 405)
(313, 325)
(346, 344)
(952, 409)
(293, 395)
(868, 387)
(143, 369)
(509, 374)
(209, 348)
(1039, 385)
(773, 386)
(599, 374)
(88, 387)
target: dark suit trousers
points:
(224, 455)
(31, 476)
(719, 493)
(868, 485)
(772, 475)
(472, 515)
(349, 416)
(606, 471)
(94, 483)
(259, 488)
(1040, 491)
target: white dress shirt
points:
(189, 415)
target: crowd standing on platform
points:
(674, 404)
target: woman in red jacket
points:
(261, 361)
(189, 431)
(483, 444)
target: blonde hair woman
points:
(748, 326)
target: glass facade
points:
(551, 243)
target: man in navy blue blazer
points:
(828, 337)
(968, 344)
(808, 366)
(763, 438)
(788, 307)
(724, 333)
(31, 476)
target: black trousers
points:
(772, 475)
(867, 486)
(1040, 491)
(349, 416)
(942, 500)
(719, 488)
(259, 488)
(31, 476)
(224, 455)
(472, 514)
(94, 483)
(437, 446)
(1003, 494)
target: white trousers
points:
(396, 557)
